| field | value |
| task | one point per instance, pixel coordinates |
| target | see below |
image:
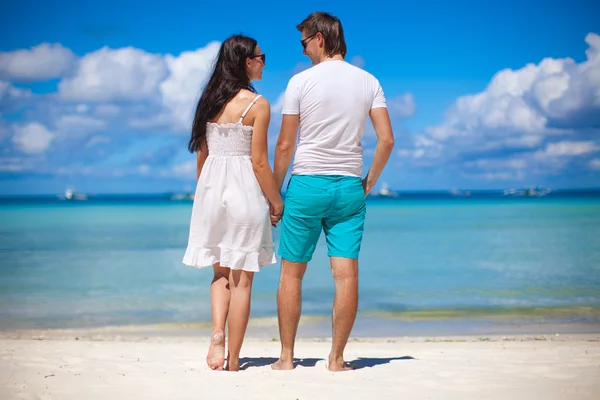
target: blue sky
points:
(99, 95)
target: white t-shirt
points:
(333, 99)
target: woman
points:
(236, 197)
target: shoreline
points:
(319, 328)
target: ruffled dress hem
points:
(251, 261)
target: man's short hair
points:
(331, 29)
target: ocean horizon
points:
(396, 194)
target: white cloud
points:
(570, 148)
(187, 73)
(440, 133)
(278, 106)
(493, 111)
(82, 108)
(595, 163)
(32, 138)
(547, 98)
(576, 87)
(525, 141)
(11, 164)
(15, 164)
(79, 125)
(358, 61)
(74, 171)
(3, 130)
(11, 167)
(97, 140)
(144, 169)
(107, 110)
(185, 170)
(161, 120)
(42, 62)
(9, 92)
(518, 117)
(402, 106)
(12, 98)
(411, 153)
(303, 66)
(498, 163)
(423, 141)
(112, 75)
(502, 176)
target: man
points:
(330, 103)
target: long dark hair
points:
(228, 78)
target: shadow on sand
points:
(250, 362)
(359, 363)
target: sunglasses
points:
(263, 57)
(305, 41)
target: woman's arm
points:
(202, 153)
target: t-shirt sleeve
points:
(379, 98)
(291, 99)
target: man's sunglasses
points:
(263, 57)
(305, 41)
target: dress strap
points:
(249, 107)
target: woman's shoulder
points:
(248, 94)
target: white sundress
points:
(230, 221)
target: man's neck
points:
(337, 57)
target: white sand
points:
(515, 367)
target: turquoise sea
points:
(113, 261)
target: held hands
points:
(276, 211)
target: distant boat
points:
(528, 192)
(182, 196)
(385, 191)
(456, 192)
(70, 194)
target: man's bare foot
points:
(233, 364)
(281, 365)
(338, 365)
(216, 351)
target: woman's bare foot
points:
(283, 365)
(216, 351)
(338, 365)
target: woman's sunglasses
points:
(263, 57)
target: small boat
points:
(70, 195)
(385, 191)
(182, 197)
(528, 192)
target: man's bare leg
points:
(289, 306)
(345, 305)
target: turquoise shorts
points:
(334, 204)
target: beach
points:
(97, 364)
(483, 298)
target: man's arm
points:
(385, 143)
(285, 147)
